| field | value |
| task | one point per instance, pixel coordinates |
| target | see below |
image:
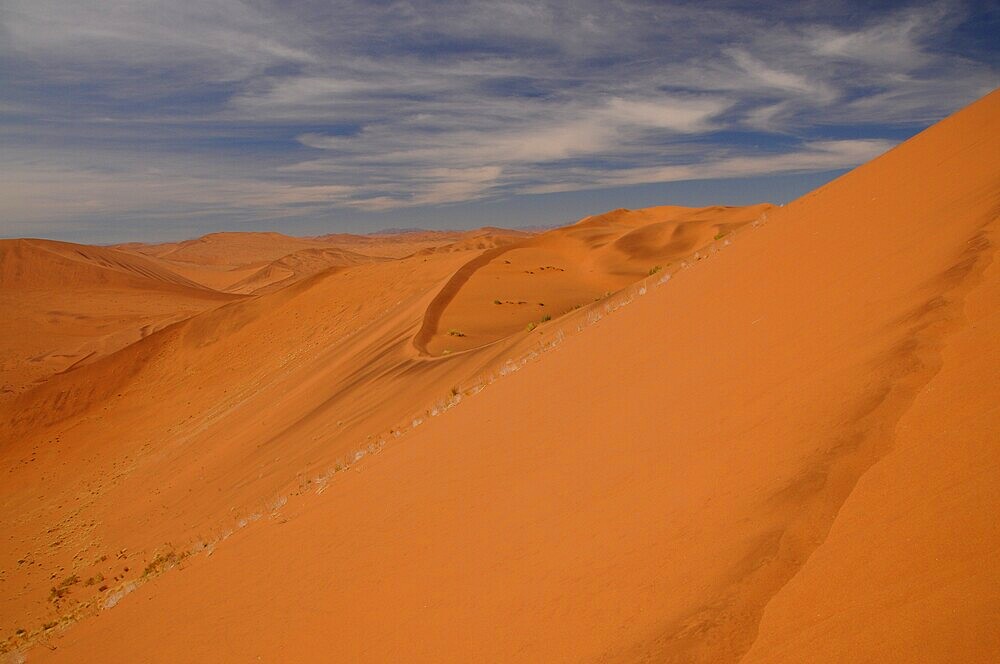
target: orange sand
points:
(785, 452)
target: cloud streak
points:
(303, 110)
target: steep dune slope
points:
(685, 481)
(919, 532)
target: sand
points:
(780, 446)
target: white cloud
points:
(758, 75)
(816, 156)
(266, 108)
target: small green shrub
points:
(720, 235)
(532, 326)
(546, 318)
(653, 270)
(456, 333)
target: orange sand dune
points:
(38, 264)
(398, 245)
(224, 261)
(246, 262)
(479, 240)
(241, 400)
(784, 452)
(541, 278)
(296, 266)
(66, 304)
(227, 249)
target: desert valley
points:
(763, 433)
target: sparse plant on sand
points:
(653, 270)
(456, 333)
(546, 318)
(720, 235)
(532, 326)
(497, 302)
(161, 562)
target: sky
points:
(155, 120)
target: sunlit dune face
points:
(537, 281)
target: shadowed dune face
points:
(46, 264)
(784, 452)
(537, 280)
(65, 305)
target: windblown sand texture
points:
(758, 434)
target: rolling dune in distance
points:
(748, 434)
(510, 287)
(66, 304)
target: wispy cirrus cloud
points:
(299, 111)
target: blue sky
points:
(151, 120)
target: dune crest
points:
(538, 279)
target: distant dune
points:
(295, 266)
(66, 304)
(753, 434)
(505, 290)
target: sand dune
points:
(245, 262)
(67, 304)
(539, 279)
(782, 449)
(299, 265)
(228, 249)
(313, 370)
(398, 245)
(40, 264)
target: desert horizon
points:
(760, 430)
